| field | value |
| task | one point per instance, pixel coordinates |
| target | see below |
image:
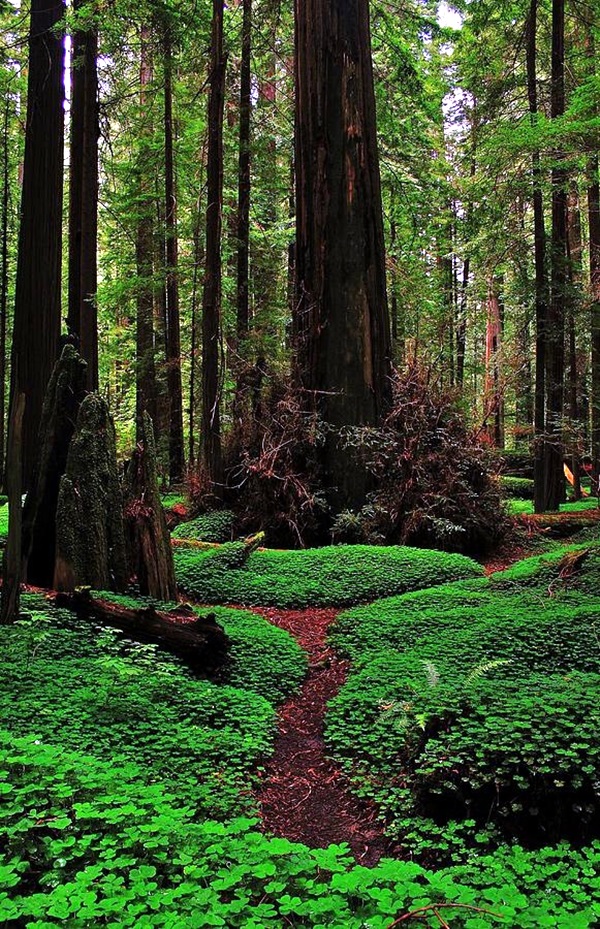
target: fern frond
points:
(477, 672)
(433, 676)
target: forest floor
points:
(305, 797)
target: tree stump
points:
(90, 540)
(148, 540)
(65, 392)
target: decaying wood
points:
(61, 405)
(11, 571)
(90, 541)
(148, 541)
(197, 640)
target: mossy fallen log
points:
(197, 640)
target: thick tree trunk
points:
(148, 540)
(146, 389)
(555, 330)
(574, 272)
(38, 291)
(197, 640)
(12, 560)
(541, 284)
(64, 395)
(176, 454)
(593, 196)
(211, 302)
(4, 274)
(341, 323)
(90, 541)
(82, 318)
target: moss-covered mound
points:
(332, 576)
(209, 527)
(471, 712)
(521, 487)
(85, 843)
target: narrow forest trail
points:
(305, 797)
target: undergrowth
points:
(471, 711)
(330, 576)
(84, 843)
(216, 526)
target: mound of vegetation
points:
(521, 487)
(330, 576)
(471, 712)
(521, 507)
(216, 526)
(63, 681)
(85, 843)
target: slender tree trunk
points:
(574, 271)
(4, 275)
(211, 302)
(541, 284)
(146, 390)
(82, 321)
(243, 211)
(341, 323)
(555, 366)
(461, 324)
(176, 454)
(494, 404)
(38, 292)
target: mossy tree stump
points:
(90, 539)
(64, 395)
(148, 540)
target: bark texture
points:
(11, 562)
(341, 324)
(82, 318)
(90, 541)
(197, 640)
(61, 407)
(148, 540)
(37, 290)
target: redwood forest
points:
(300, 464)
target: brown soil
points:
(304, 796)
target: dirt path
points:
(304, 796)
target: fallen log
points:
(197, 640)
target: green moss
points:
(4, 521)
(525, 507)
(331, 576)
(209, 527)
(171, 500)
(517, 487)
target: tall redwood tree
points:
(38, 283)
(341, 324)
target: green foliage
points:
(472, 708)
(330, 576)
(518, 507)
(171, 500)
(517, 487)
(85, 843)
(4, 521)
(216, 526)
(64, 682)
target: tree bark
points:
(146, 389)
(63, 399)
(82, 317)
(197, 640)
(593, 196)
(541, 284)
(341, 325)
(244, 189)
(148, 540)
(90, 541)
(4, 274)
(555, 330)
(493, 400)
(176, 453)
(211, 300)
(12, 563)
(38, 283)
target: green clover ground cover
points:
(471, 712)
(87, 844)
(330, 576)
